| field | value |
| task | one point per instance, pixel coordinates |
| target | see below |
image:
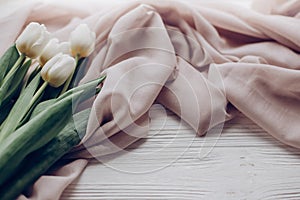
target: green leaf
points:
(42, 106)
(28, 114)
(33, 135)
(39, 161)
(5, 109)
(20, 109)
(8, 60)
(30, 77)
(34, 73)
(17, 82)
(89, 89)
(8, 79)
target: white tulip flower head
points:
(58, 69)
(33, 40)
(82, 41)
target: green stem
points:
(38, 94)
(20, 60)
(67, 84)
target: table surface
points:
(243, 162)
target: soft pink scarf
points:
(202, 61)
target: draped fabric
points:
(203, 61)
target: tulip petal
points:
(82, 41)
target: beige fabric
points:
(50, 187)
(196, 59)
(280, 7)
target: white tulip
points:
(58, 69)
(64, 47)
(33, 39)
(82, 41)
(50, 50)
(53, 48)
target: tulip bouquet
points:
(38, 95)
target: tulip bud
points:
(33, 40)
(82, 41)
(58, 69)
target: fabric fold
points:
(200, 60)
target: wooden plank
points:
(244, 162)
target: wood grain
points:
(244, 162)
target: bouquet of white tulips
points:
(38, 94)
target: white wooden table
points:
(244, 162)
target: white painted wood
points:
(243, 163)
